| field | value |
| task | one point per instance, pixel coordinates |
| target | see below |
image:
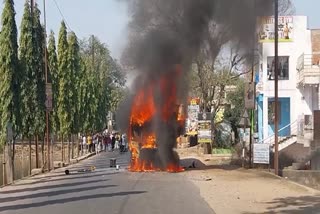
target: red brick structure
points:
(315, 40)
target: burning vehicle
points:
(154, 113)
(165, 39)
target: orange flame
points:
(143, 110)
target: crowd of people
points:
(104, 141)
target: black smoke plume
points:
(164, 33)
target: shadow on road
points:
(196, 164)
(62, 177)
(294, 205)
(67, 200)
(55, 193)
(64, 185)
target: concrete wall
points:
(310, 101)
(308, 178)
(287, 88)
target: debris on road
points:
(91, 169)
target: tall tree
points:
(9, 82)
(64, 82)
(74, 72)
(53, 70)
(104, 84)
(29, 80)
(9, 72)
(38, 44)
(82, 104)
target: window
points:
(283, 68)
(271, 112)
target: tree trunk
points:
(69, 139)
(72, 147)
(3, 165)
(52, 150)
(30, 158)
(207, 148)
(8, 163)
(37, 152)
(43, 160)
(13, 157)
(22, 159)
(62, 149)
(78, 147)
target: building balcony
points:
(308, 69)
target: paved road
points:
(104, 191)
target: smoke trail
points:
(164, 33)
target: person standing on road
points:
(124, 142)
(96, 143)
(90, 143)
(84, 144)
(109, 142)
(113, 141)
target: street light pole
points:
(252, 111)
(46, 75)
(276, 98)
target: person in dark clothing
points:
(121, 144)
(113, 141)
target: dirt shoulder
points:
(230, 189)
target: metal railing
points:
(293, 128)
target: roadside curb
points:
(39, 172)
(312, 190)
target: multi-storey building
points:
(298, 90)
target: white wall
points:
(287, 88)
(310, 100)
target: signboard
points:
(192, 117)
(249, 100)
(204, 131)
(192, 121)
(48, 103)
(205, 116)
(193, 111)
(267, 31)
(194, 101)
(261, 153)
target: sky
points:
(309, 8)
(108, 19)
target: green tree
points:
(104, 85)
(38, 44)
(9, 71)
(83, 104)
(29, 80)
(64, 113)
(236, 99)
(74, 72)
(53, 70)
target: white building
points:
(297, 94)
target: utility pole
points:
(252, 82)
(32, 31)
(46, 76)
(276, 98)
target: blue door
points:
(284, 116)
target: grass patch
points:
(222, 151)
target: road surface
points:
(104, 191)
